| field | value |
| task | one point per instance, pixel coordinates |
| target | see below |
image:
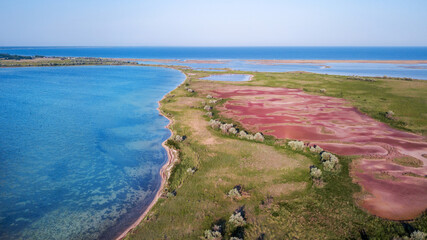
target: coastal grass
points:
(279, 200)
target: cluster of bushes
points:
(235, 228)
(229, 128)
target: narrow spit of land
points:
(277, 197)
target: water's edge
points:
(164, 171)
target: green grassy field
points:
(279, 200)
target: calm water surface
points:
(237, 54)
(80, 148)
(330, 53)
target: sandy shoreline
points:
(164, 173)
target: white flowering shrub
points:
(215, 124)
(322, 90)
(315, 173)
(213, 101)
(207, 108)
(208, 96)
(190, 90)
(235, 238)
(330, 161)
(237, 220)
(225, 127)
(316, 149)
(250, 137)
(232, 131)
(296, 145)
(259, 137)
(418, 235)
(179, 138)
(209, 114)
(212, 235)
(242, 134)
(389, 114)
(234, 193)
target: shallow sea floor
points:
(80, 148)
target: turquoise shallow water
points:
(80, 148)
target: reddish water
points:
(338, 127)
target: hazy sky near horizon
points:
(213, 23)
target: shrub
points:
(179, 138)
(191, 170)
(234, 193)
(315, 173)
(208, 96)
(209, 114)
(237, 220)
(389, 114)
(330, 161)
(259, 137)
(213, 101)
(328, 166)
(170, 194)
(326, 156)
(296, 145)
(235, 238)
(190, 90)
(215, 124)
(207, 108)
(225, 127)
(250, 137)
(316, 149)
(232, 131)
(322, 90)
(242, 134)
(212, 235)
(418, 235)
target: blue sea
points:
(328, 53)
(238, 55)
(80, 148)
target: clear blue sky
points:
(213, 23)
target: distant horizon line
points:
(118, 46)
